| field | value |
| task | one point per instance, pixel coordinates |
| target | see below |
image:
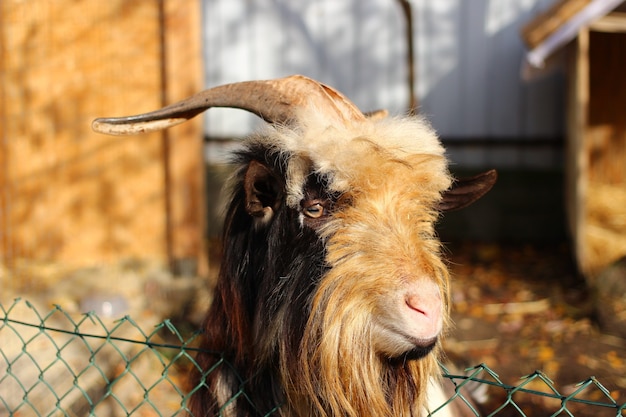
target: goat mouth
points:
(421, 347)
(420, 350)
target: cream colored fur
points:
(344, 152)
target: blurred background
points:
(534, 88)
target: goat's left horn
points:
(276, 101)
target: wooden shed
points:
(70, 195)
(592, 33)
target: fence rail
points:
(56, 364)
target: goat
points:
(332, 295)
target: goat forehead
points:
(388, 228)
(360, 155)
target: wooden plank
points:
(183, 77)
(79, 197)
(614, 22)
(547, 22)
(576, 163)
(5, 188)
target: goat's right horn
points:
(275, 101)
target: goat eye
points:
(314, 211)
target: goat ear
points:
(263, 191)
(467, 190)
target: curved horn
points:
(275, 101)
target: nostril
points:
(414, 304)
(428, 306)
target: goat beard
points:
(337, 372)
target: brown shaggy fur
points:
(370, 259)
(392, 176)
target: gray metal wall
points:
(468, 53)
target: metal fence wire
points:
(56, 364)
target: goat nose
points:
(426, 310)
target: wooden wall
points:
(73, 196)
(596, 157)
(606, 149)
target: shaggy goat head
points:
(332, 294)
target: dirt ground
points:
(518, 309)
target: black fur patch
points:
(262, 300)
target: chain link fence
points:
(56, 364)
